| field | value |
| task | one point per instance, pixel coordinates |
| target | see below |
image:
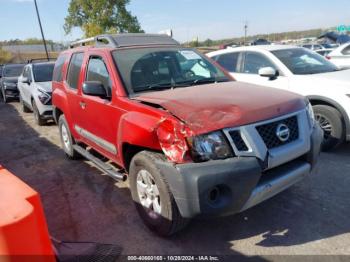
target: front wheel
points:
(25, 109)
(152, 196)
(330, 120)
(38, 118)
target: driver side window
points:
(253, 62)
(97, 71)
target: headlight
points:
(211, 146)
(44, 97)
(311, 115)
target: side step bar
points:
(109, 170)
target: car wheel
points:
(330, 120)
(38, 119)
(66, 139)
(25, 109)
(4, 98)
(152, 196)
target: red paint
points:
(185, 111)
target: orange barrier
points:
(23, 228)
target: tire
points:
(4, 98)
(67, 140)
(38, 119)
(25, 109)
(169, 220)
(331, 122)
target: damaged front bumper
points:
(230, 186)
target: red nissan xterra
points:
(191, 141)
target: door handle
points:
(82, 105)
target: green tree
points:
(5, 56)
(101, 16)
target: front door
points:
(252, 62)
(98, 119)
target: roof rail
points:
(126, 40)
(40, 60)
(105, 40)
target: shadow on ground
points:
(83, 205)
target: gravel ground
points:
(82, 204)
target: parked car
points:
(35, 88)
(299, 70)
(341, 56)
(8, 82)
(324, 52)
(192, 141)
(313, 47)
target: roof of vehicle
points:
(127, 40)
(13, 65)
(44, 63)
(269, 48)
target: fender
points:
(143, 133)
(337, 106)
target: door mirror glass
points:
(25, 80)
(267, 72)
(94, 88)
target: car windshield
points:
(150, 69)
(12, 70)
(304, 62)
(43, 72)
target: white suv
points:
(35, 88)
(301, 71)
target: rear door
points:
(72, 86)
(98, 118)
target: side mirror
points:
(94, 88)
(268, 72)
(25, 80)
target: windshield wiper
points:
(158, 87)
(205, 81)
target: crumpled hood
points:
(212, 107)
(45, 86)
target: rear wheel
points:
(330, 120)
(152, 196)
(25, 109)
(66, 139)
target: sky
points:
(214, 19)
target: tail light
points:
(328, 57)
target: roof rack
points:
(126, 40)
(30, 61)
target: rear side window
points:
(58, 74)
(346, 51)
(228, 61)
(74, 70)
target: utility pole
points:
(245, 31)
(41, 29)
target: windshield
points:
(304, 62)
(43, 72)
(149, 69)
(12, 70)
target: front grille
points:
(238, 141)
(268, 132)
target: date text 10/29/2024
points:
(173, 258)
